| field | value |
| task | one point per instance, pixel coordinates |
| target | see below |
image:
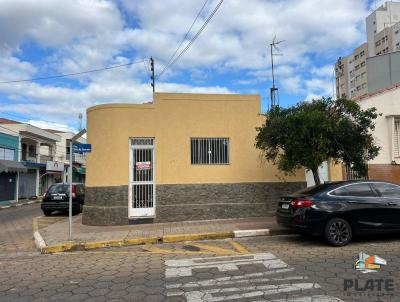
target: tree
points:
(309, 133)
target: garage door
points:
(27, 184)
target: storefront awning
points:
(11, 166)
(81, 170)
(33, 165)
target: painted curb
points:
(21, 204)
(39, 242)
(84, 246)
(251, 233)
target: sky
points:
(42, 38)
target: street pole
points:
(70, 190)
(71, 144)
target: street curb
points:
(21, 204)
(84, 246)
(39, 242)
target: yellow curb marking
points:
(214, 249)
(158, 250)
(238, 247)
(196, 236)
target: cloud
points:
(77, 35)
(49, 125)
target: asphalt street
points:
(279, 268)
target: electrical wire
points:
(187, 33)
(73, 74)
(192, 40)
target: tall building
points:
(383, 37)
(351, 73)
(383, 17)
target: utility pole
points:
(80, 121)
(273, 89)
(152, 74)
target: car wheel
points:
(46, 213)
(338, 232)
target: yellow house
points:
(182, 157)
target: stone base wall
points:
(219, 201)
(109, 205)
(106, 206)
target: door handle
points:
(392, 204)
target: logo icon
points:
(367, 264)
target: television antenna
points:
(275, 51)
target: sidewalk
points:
(54, 232)
(20, 203)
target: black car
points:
(57, 198)
(338, 210)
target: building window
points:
(362, 53)
(6, 154)
(396, 138)
(31, 151)
(209, 151)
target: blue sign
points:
(82, 148)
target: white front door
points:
(141, 178)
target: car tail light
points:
(301, 203)
(73, 191)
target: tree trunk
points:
(316, 176)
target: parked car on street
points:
(57, 198)
(338, 210)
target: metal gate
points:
(141, 178)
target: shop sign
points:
(54, 166)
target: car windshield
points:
(313, 190)
(58, 189)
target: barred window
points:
(396, 138)
(209, 151)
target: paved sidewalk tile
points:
(57, 231)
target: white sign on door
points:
(143, 165)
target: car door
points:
(390, 197)
(363, 204)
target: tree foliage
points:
(309, 133)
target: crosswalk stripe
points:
(252, 291)
(214, 282)
(246, 286)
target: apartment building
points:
(35, 149)
(351, 73)
(382, 18)
(358, 72)
(342, 78)
(383, 37)
(62, 156)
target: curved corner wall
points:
(107, 175)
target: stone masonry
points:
(109, 205)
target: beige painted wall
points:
(173, 119)
(387, 104)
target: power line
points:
(193, 39)
(187, 33)
(73, 74)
